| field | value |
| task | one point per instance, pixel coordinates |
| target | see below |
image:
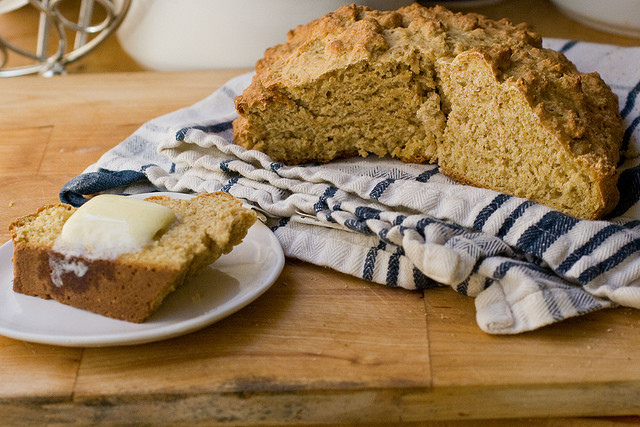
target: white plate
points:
(226, 286)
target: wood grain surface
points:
(319, 346)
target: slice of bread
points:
(481, 98)
(532, 127)
(132, 286)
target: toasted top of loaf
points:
(216, 219)
(357, 33)
(415, 35)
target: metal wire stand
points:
(54, 26)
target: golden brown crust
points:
(109, 288)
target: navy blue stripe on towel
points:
(568, 45)
(588, 247)
(366, 212)
(426, 175)
(623, 253)
(321, 204)
(394, 267)
(74, 190)
(282, 222)
(421, 281)
(631, 100)
(626, 139)
(537, 238)
(380, 188)
(513, 217)
(230, 183)
(215, 128)
(370, 261)
(488, 210)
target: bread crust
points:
(120, 291)
(579, 111)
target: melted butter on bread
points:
(109, 225)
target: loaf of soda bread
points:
(132, 285)
(481, 98)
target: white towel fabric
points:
(407, 225)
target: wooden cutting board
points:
(318, 347)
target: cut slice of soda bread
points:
(531, 127)
(132, 286)
(481, 98)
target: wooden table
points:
(319, 346)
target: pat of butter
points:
(108, 225)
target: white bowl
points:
(202, 34)
(613, 16)
(7, 6)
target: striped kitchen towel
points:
(407, 225)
